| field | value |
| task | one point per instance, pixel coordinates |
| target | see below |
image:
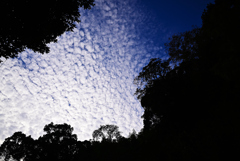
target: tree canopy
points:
(17, 146)
(107, 133)
(189, 102)
(58, 144)
(207, 67)
(34, 24)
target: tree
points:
(133, 135)
(197, 100)
(107, 133)
(17, 147)
(34, 24)
(156, 69)
(219, 39)
(183, 46)
(58, 144)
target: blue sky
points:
(87, 78)
(177, 15)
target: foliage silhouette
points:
(17, 146)
(58, 144)
(34, 24)
(107, 133)
(191, 99)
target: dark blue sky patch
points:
(177, 15)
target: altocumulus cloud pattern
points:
(87, 78)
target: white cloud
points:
(87, 78)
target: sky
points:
(87, 78)
(177, 15)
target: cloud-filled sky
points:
(87, 78)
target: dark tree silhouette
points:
(17, 147)
(133, 136)
(191, 99)
(220, 36)
(58, 144)
(107, 133)
(34, 24)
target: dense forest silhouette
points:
(191, 111)
(34, 24)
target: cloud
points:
(87, 78)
